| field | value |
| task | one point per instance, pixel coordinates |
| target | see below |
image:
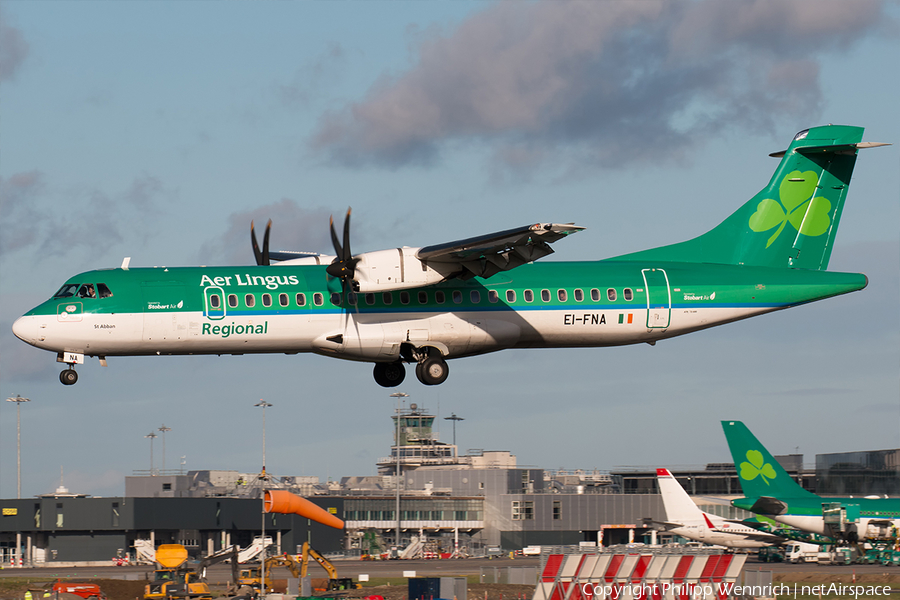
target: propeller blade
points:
(265, 248)
(262, 257)
(347, 253)
(344, 264)
(334, 241)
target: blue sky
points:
(157, 130)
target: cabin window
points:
(370, 298)
(87, 291)
(510, 296)
(440, 297)
(475, 296)
(283, 299)
(352, 298)
(529, 295)
(545, 295)
(404, 297)
(627, 294)
(267, 300)
(387, 298)
(250, 300)
(232, 300)
(423, 297)
(561, 294)
(611, 294)
(66, 291)
(318, 299)
(215, 301)
(103, 291)
(457, 296)
(579, 295)
(493, 296)
(301, 299)
(595, 295)
(336, 298)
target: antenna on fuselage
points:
(125, 262)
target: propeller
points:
(262, 258)
(343, 266)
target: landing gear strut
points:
(389, 374)
(68, 377)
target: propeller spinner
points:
(343, 266)
(262, 257)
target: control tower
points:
(416, 444)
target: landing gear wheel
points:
(389, 374)
(432, 371)
(68, 377)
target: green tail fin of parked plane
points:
(792, 222)
(758, 472)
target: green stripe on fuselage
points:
(691, 285)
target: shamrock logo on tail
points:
(807, 214)
(757, 466)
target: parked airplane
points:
(685, 518)
(771, 492)
(474, 296)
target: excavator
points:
(334, 582)
(253, 578)
(176, 580)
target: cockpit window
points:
(103, 291)
(66, 291)
(87, 291)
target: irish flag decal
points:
(625, 318)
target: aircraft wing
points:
(486, 255)
(661, 524)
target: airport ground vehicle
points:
(174, 578)
(88, 591)
(334, 582)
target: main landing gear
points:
(431, 368)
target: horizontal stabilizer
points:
(766, 505)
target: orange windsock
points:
(280, 501)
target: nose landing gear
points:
(68, 377)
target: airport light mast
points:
(398, 396)
(263, 478)
(152, 435)
(18, 400)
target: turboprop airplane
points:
(685, 518)
(770, 491)
(423, 306)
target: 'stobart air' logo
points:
(797, 206)
(757, 466)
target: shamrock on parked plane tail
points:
(426, 305)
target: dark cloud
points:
(13, 49)
(294, 227)
(598, 83)
(44, 221)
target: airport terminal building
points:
(436, 499)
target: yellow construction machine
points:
(334, 582)
(174, 579)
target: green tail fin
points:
(758, 472)
(792, 222)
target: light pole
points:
(263, 478)
(164, 429)
(398, 396)
(454, 418)
(152, 435)
(18, 400)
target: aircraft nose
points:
(25, 329)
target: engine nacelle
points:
(398, 269)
